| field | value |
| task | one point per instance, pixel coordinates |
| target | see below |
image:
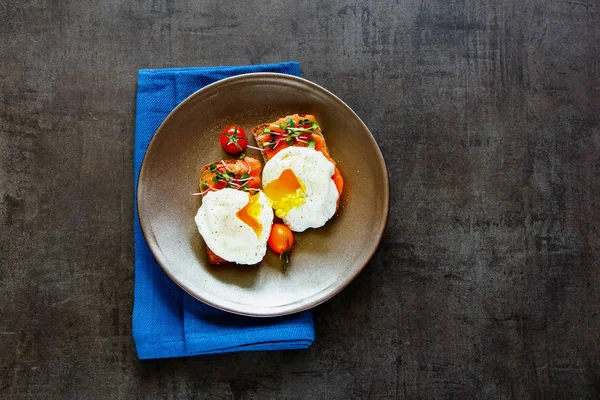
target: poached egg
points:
(298, 184)
(235, 224)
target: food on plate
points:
(235, 217)
(281, 241)
(233, 139)
(298, 130)
(243, 174)
(235, 225)
(298, 182)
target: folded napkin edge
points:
(308, 331)
(145, 352)
(224, 68)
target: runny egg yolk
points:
(249, 214)
(285, 192)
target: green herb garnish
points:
(223, 176)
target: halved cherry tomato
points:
(233, 139)
(281, 238)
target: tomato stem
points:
(284, 258)
(234, 138)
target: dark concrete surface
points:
(486, 285)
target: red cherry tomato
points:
(281, 239)
(233, 139)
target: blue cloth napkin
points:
(167, 322)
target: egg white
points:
(228, 236)
(314, 170)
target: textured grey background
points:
(486, 283)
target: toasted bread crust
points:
(256, 132)
(239, 167)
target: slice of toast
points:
(271, 138)
(210, 181)
(261, 137)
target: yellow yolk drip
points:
(285, 192)
(249, 214)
